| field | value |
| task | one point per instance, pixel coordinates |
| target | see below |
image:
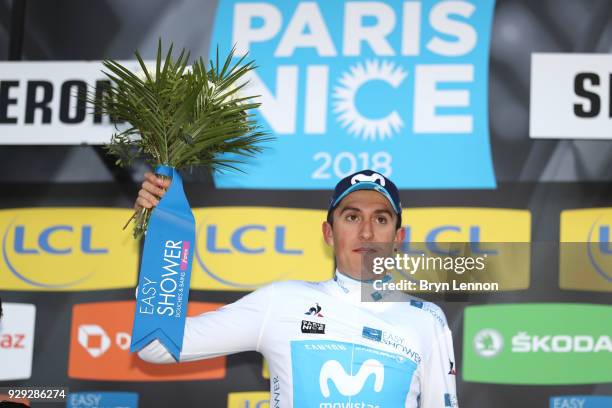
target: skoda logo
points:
(488, 343)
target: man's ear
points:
(328, 233)
(400, 235)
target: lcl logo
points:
(239, 237)
(450, 233)
(26, 247)
(47, 240)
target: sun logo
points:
(344, 96)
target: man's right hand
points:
(153, 189)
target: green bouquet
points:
(181, 115)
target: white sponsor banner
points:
(43, 102)
(570, 96)
(16, 341)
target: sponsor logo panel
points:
(67, 249)
(259, 399)
(17, 341)
(312, 327)
(103, 399)
(586, 250)
(100, 341)
(501, 236)
(43, 102)
(538, 344)
(242, 248)
(581, 401)
(330, 373)
(424, 63)
(571, 96)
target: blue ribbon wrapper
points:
(165, 270)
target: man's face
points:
(363, 217)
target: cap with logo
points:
(366, 180)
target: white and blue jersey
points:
(326, 348)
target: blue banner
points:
(581, 401)
(102, 399)
(399, 87)
(165, 270)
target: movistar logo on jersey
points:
(552, 343)
(328, 374)
(350, 385)
(398, 87)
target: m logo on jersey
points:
(327, 373)
(351, 385)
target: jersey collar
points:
(356, 290)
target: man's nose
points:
(366, 232)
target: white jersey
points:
(328, 348)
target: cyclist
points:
(337, 343)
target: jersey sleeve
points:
(438, 383)
(231, 329)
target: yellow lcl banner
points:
(253, 399)
(66, 249)
(501, 236)
(586, 250)
(243, 248)
(238, 248)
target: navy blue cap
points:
(366, 180)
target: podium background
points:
(544, 177)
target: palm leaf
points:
(180, 116)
